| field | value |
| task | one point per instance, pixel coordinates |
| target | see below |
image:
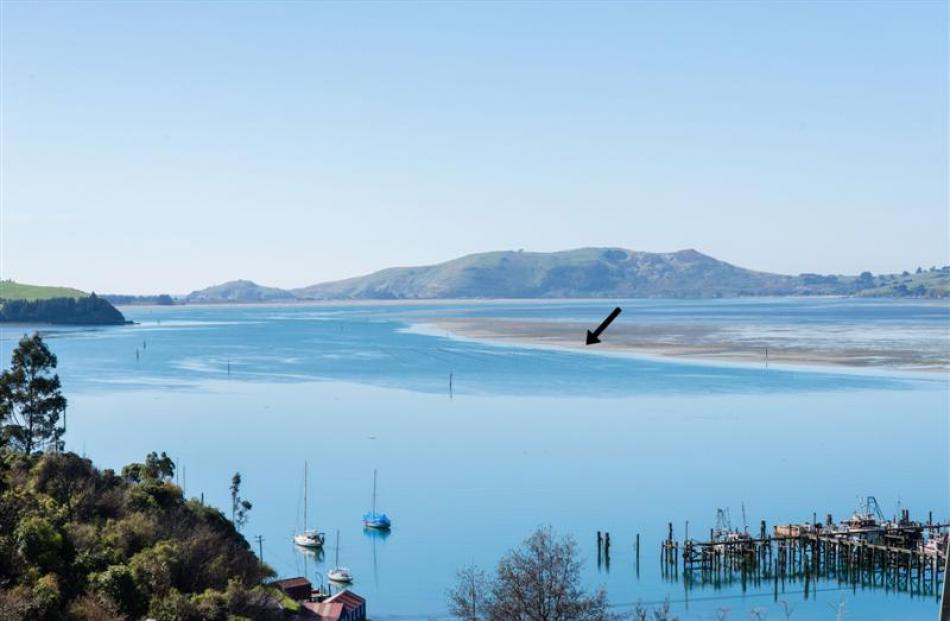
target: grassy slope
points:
(10, 290)
(936, 283)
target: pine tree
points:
(30, 399)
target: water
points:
(577, 440)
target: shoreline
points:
(683, 343)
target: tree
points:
(467, 599)
(538, 581)
(30, 399)
(159, 468)
(239, 506)
(155, 469)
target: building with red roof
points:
(344, 606)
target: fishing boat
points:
(379, 521)
(308, 538)
(338, 573)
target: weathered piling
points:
(898, 555)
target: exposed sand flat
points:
(787, 345)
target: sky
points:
(166, 146)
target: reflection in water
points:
(313, 554)
(373, 534)
(312, 557)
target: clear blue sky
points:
(166, 146)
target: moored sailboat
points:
(338, 573)
(308, 538)
(379, 521)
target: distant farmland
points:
(10, 290)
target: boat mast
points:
(305, 496)
(337, 561)
(374, 492)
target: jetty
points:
(863, 551)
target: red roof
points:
(290, 583)
(349, 599)
(333, 608)
(325, 611)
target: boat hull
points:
(341, 577)
(311, 542)
(377, 521)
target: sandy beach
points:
(772, 345)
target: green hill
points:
(87, 311)
(587, 273)
(10, 290)
(36, 304)
(238, 291)
(581, 273)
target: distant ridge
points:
(587, 272)
(238, 291)
(584, 273)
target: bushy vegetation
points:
(77, 542)
(89, 310)
(81, 543)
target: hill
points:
(932, 283)
(90, 310)
(238, 291)
(587, 272)
(10, 290)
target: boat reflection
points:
(375, 533)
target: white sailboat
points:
(308, 538)
(338, 573)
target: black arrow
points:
(592, 336)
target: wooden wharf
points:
(890, 556)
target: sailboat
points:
(372, 519)
(308, 538)
(339, 574)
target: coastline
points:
(685, 343)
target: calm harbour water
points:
(577, 440)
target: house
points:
(295, 588)
(344, 606)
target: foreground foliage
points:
(30, 399)
(538, 581)
(80, 543)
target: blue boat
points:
(378, 521)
